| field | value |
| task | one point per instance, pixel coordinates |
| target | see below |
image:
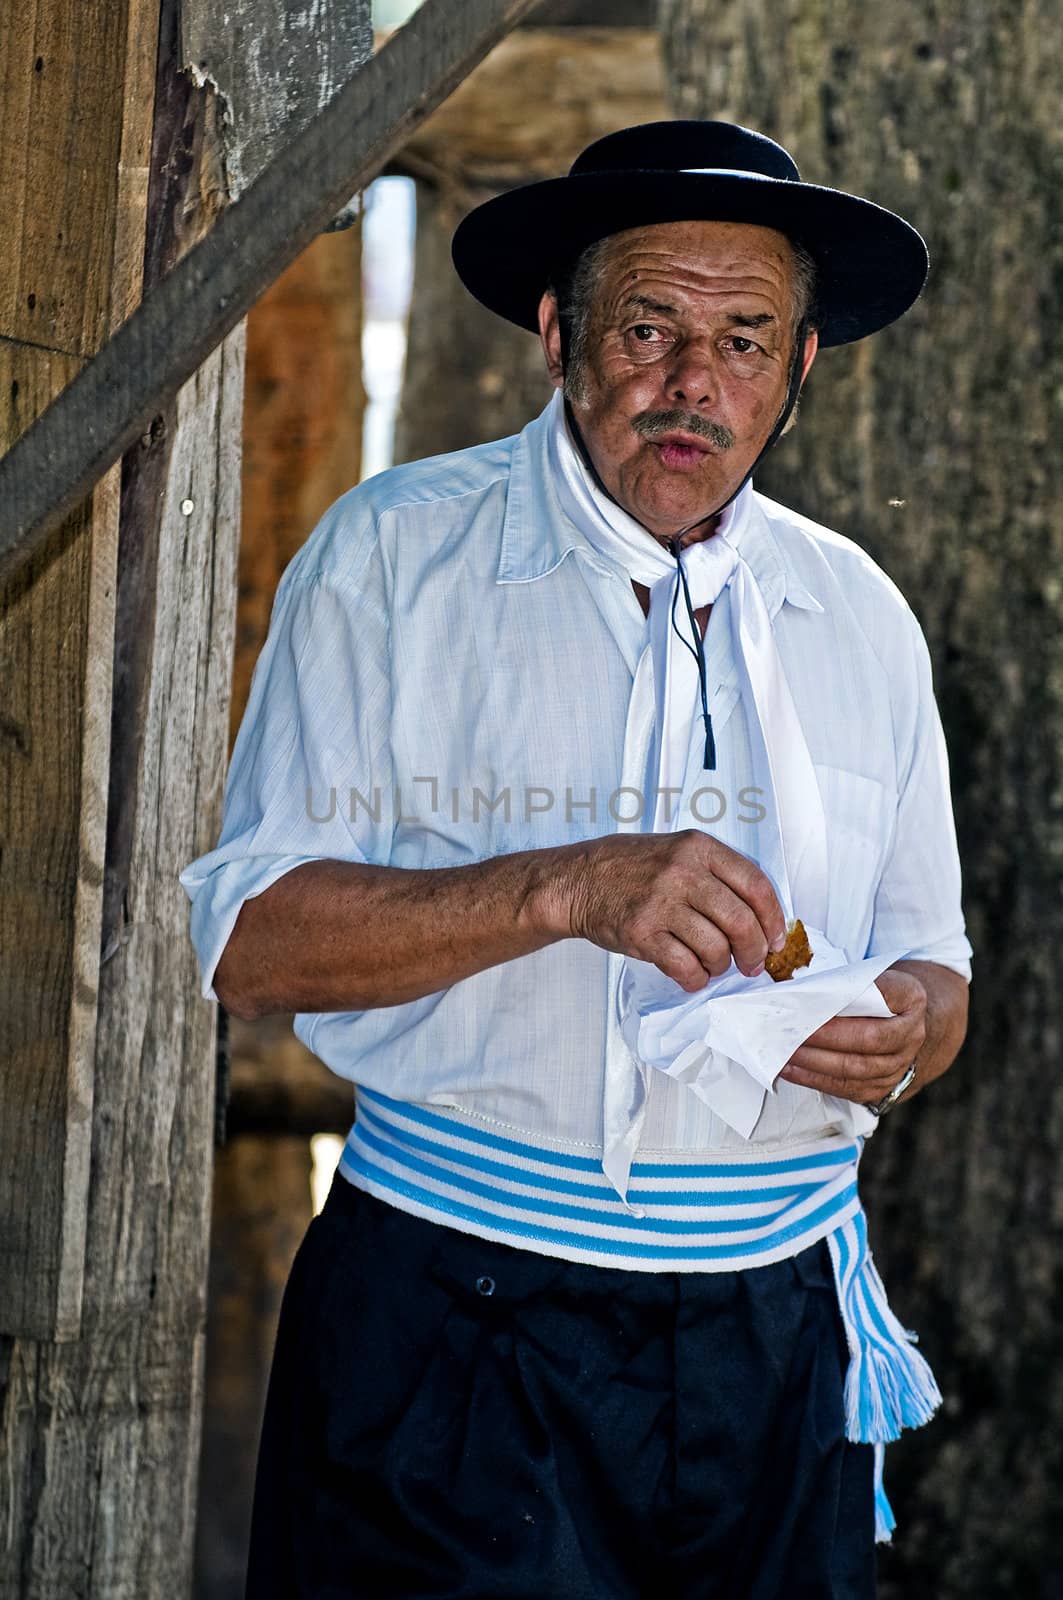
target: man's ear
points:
(550, 337)
(811, 347)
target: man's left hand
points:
(862, 1058)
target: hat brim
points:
(871, 264)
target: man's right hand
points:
(683, 901)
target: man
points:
(549, 742)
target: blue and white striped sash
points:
(683, 1214)
(693, 1212)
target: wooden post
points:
(100, 1393)
(71, 254)
(101, 1405)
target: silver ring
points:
(895, 1093)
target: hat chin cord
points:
(675, 543)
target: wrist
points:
(547, 907)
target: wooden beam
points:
(112, 402)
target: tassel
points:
(710, 745)
(892, 1386)
(889, 1385)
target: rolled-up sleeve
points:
(311, 767)
(918, 905)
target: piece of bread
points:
(796, 952)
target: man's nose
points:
(692, 377)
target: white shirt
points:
(447, 678)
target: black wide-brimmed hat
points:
(871, 263)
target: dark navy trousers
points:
(449, 1417)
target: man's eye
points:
(742, 346)
(644, 332)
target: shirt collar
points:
(537, 535)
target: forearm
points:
(946, 1020)
(342, 936)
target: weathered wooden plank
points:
(76, 192)
(69, 125)
(112, 401)
(111, 1510)
(30, 379)
(99, 1437)
(274, 66)
(54, 726)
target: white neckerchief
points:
(729, 1062)
(711, 565)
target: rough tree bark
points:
(935, 445)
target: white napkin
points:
(728, 1042)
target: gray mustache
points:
(651, 424)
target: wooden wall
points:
(71, 259)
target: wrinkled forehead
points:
(693, 256)
(714, 245)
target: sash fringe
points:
(889, 1385)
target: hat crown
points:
(682, 146)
